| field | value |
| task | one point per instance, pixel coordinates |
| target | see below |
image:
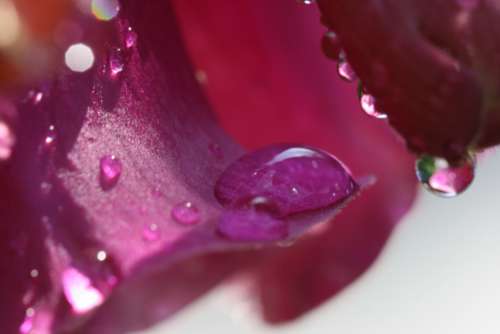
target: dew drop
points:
(294, 178)
(101, 256)
(368, 105)
(444, 179)
(49, 142)
(34, 273)
(105, 10)
(116, 62)
(151, 232)
(201, 76)
(110, 171)
(186, 213)
(344, 69)
(34, 97)
(330, 44)
(79, 57)
(80, 291)
(27, 324)
(130, 38)
(306, 2)
(7, 141)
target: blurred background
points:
(439, 273)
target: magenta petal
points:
(89, 196)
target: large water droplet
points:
(186, 213)
(368, 105)
(445, 179)
(7, 141)
(344, 69)
(116, 62)
(251, 225)
(110, 171)
(294, 178)
(105, 10)
(80, 291)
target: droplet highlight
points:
(330, 44)
(116, 62)
(443, 178)
(130, 38)
(110, 171)
(186, 213)
(151, 232)
(105, 10)
(80, 292)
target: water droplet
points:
(330, 45)
(45, 188)
(186, 213)
(34, 97)
(80, 291)
(445, 179)
(27, 324)
(7, 141)
(101, 256)
(130, 38)
(306, 2)
(368, 105)
(110, 171)
(50, 137)
(34, 273)
(79, 57)
(344, 69)
(151, 232)
(116, 62)
(105, 10)
(251, 225)
(275, 171)
(201, 76)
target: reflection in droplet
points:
(105, 10)
(186, 213)
(7, 141)
(443, 178)
(79, 57)
(151, 232)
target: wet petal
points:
(432, 66)
(267, 54)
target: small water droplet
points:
(330, 44)
(443, 178)
(80, 291)
(27, 324)
(151, 232)
(101, 256)
(186, 213)
(34, 273)
(368, 105)
(294, 178)
(45, 188)
(344, 69)
(116, 62)
(7, 141)
(34, 97)
(105, 10)
(130, 38)
(79, 57)
(50, 137)
(306, 2)
(110, 171)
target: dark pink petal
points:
(269, 82)
(91, 236)
(432, 65)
